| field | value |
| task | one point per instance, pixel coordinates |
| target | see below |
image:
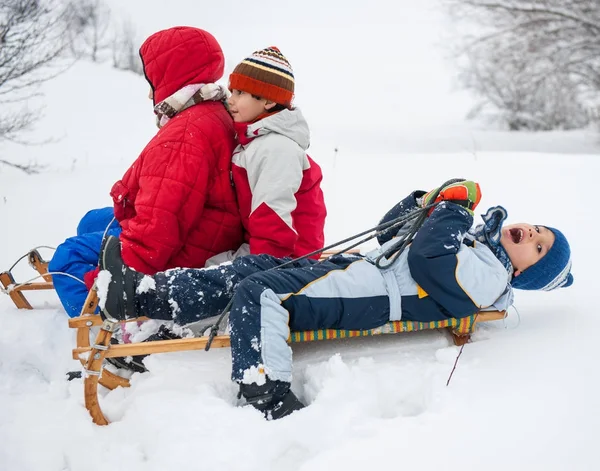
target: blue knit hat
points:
(552, 271)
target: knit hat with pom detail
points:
(266, 74)
(552, 271)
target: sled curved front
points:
(15, 290)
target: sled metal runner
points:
(92, 356)
(15, 290)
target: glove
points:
(466, 193)
(90, 277)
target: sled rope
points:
(392, 254)
(518, 317)
(107, 227)
(214, 330)
(27, 254)
(420, 214)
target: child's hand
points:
(466, 193)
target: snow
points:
(524, 395)
(146, 284)
(102, 283)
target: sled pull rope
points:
(27, 254)
(214, 330)
(518, 317)
(420, 213)
(391, 255)
(107, 227)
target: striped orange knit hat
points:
(266, 74)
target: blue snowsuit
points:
(443, 274)
(78, 255)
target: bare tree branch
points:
(31, 47)
(535, 64)
(29, 169)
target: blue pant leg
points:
(340, 294)
(97, 220)
(75, 256)
(187, 295)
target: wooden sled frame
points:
(92, 356)
(15, 290)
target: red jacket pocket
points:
(122, 206)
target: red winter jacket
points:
(176, 204)
(279, 186)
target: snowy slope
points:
(524, 395)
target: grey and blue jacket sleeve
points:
(460, 278)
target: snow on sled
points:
(92, 356)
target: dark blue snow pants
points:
(346, 292)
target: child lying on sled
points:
(449, 270)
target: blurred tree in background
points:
(40, 39)
(534, 64)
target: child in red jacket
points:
(175, 206)
(278, 185)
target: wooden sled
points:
(92, 356)
(15, 290)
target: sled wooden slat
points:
(34, 286)
(95, 320)
(158, 346)
(17, 297)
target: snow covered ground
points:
(524, 396)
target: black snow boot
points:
(120, 299)
(136, 362)
(274, 398)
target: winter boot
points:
(274, 398)
(120, 297)
(136, 363)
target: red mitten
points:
(90, 277)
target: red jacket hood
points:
(180, 56)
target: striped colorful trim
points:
(461, 326)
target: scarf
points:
(490, 232)
(241, 129)
(189, 95)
